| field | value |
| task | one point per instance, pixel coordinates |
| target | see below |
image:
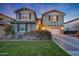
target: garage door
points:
(55, 31)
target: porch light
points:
(43, 28)
(37, 27)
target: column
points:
(28, 27)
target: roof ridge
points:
(71, 20)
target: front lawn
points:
(31, 48)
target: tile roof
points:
(6, 16)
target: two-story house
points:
(53, 21)
(25, 20)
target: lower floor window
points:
(22, 27)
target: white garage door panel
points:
(55, 31)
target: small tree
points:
(8, 29)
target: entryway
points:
(55, 31)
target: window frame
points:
(53, 19)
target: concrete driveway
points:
(69, 44)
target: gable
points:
(26, 11)
(54, 13)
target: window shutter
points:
(19, 15)
(29, 15)
(57, 18)
(49, 18)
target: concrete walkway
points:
(69, 44)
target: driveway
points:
(69, 44)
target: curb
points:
(60, 46)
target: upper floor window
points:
(1, 21)
(24, 16)
(53, 18)
(7, 19)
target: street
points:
(69, 44)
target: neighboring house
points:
(72, 25)
(25, 20)
(53, 21)
(4, 20)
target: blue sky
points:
(71, 10)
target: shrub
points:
(40, 34)
(44, 33)
(8, 29)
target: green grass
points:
(31, 48)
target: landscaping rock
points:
(34, 35)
